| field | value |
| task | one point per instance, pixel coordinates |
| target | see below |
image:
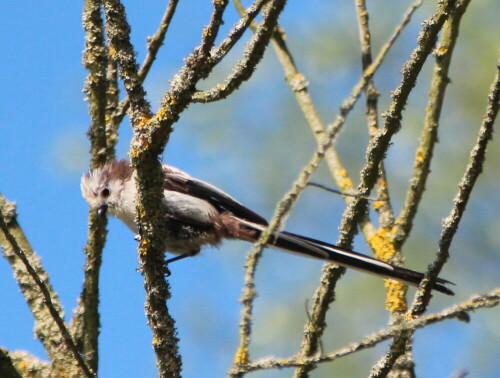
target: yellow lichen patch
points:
(134, 152)
(140, 210)
(382, 243)
(21, 365)
(144, 246)
(383, 246)
(409, 316)
(420, 157)
(162, 114)
(396, 296)
(241, 357)
(143, 121)
(373, 130)
(341, 172)
(344, 182)
(282, 33)
(441, 51)
(139, 144)
(169, 100)
(382, 183)
(298, 76)
(378, 204)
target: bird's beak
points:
(101, 210)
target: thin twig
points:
(253, 53)
(246, 21)
(460, 312)
(53, 305)
(211, 30)
(379, 242)
(95, 60)
(384, 208)
(331, 190)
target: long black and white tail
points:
(317, 249)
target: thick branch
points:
(165, 341)
(7, 368)
(154, 44)
(43, 301)
(86, 321)
(121, 50)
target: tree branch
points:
(121, 50)
(165, 341)
(7, 368)
(246, 21)
(354, 213)
(460, 312)
(43, 301)
(384, 207)
(450, 225)
(285, 205)
(253, 53)
(154, 44)
(472, 171)
(86, 320)
(439, 83)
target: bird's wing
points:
(179, 181)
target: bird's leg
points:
(179, 257)
(167, 262)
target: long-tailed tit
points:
(202, 214)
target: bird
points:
(201, 214)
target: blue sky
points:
(43, 121)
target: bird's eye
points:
(105, 192)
